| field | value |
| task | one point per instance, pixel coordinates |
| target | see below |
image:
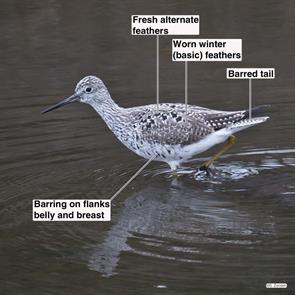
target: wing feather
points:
(170, 125)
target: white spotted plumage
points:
(168, 133)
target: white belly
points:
(207, 142)
(175, 154)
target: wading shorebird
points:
(169, 132)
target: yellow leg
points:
(229, 143)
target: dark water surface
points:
(226, 234)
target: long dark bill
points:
(62, 103)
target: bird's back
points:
(173, 124)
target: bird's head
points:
(88, 90)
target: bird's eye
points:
(88, 89)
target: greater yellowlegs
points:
(169, 133)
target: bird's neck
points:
(108, 110)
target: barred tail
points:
(259, 110)
(245, 123)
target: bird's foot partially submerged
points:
(174, 166)
(178, 171)
(229, 143)
(205, 169)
